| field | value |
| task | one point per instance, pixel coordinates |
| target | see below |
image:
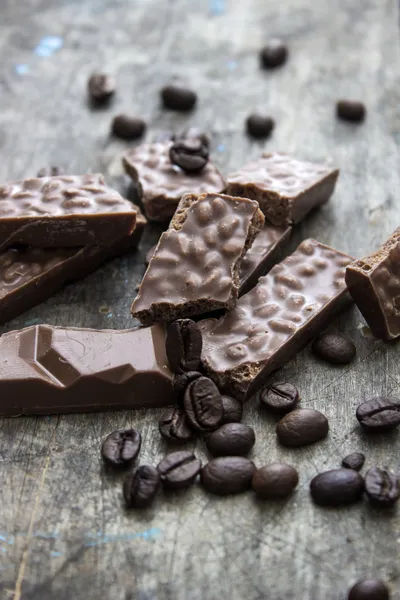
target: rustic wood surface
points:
(63, 530)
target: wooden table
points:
(63, 531)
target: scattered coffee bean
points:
(355, 461)
(203, 404)
(178, 97)
(101, 87)
(174, 426)
(227, 475)
(195, 134)
(334, 348)
(382, 487)
(181, 381)
(150, 253)
(337, 487)
(121, 447)
(259, 126)
(274, 54)
(128, 128)
(190, 155)
(276, 480)
(302, 426)
(179, 469)
(232, 410)
(183, 345)
(350, 110)
(50, 172)
(379, 414)
(369, 589)
(140, 487)
(280, 397)
(231, 439)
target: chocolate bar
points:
(162, 184)
(273, 321)
(195, 267)
(285, 188)
(262, 256)
(45, 370)
(29, 275)
(374, 283)
(63, 211)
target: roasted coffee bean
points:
(150, 253)
(355, 461)
(302, 426)
(127, 127)
(121, 447)
(179, 469)
(183, 345)
(195, 134)
(337, 487)
(227, 475)
(280, 397)
(178, 97)
(191, 155)
(274, 54)
(379, 414)
(369, 589)
(140, 487)
(101, 87)
(382, 487)
(174, 426)
(334, 348)
(231, 439)
(203, 404)
(50, 172)
(232, 410)
(351, 110)
(181, 381)
(276, 480)
(259, 126)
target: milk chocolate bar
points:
(286, 189)
(374, 283)
(273, 321)
(195, 267)
(63, 211)
(45, 370)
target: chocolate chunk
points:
(274, 54)
(120, 448)
(45, 370)
(276, 480)
(379, 414)
(280, 397)
(382, 487)
(273, 321)
(101, 87)
(231, 439)
(232, 410)
(355, 461)
(227, 475)
(174, 425)
(149, 254)
(374, 285)
(369, 589)
(50, 172)
(189, 154)
(203, 405)
(334, 348)
(286, 189)
(179, 469)
(259, 126)
(301, 427)
(141, 486)
(183, 345)
(163, 184)
(128, 127)
(178, 97)
(195, 267)
(338, 487)
(350, 110)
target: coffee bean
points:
(140, 487)
(174, 426)
(231, 439)
(179, 469)
(203, 404)
(259, 126)
(127, 127)
(181, 381)
(150, 253)
(101, 87)
(183, 345)
(334, 348)
(227, 475)
(350, 110)
(195, 134)
(382, 487)
(379, 414)
(190, 155)
(276, 480)
(232, 410)
(337, 487)
(121, 447)
(50, 172)
(302, 426)
(369, 589)
(274, 54)
(355, 461)
(280, 397)
(178, 97)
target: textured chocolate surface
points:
(63, 211)
(162, 184)
(269, 324)
(286, 188)
(374, 283)
(46, 369)
(195, 267)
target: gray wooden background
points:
(63, 530)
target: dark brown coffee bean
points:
(101, 87)
(231, 439)
(227, 475)
(50, 172)
(127, 127)
(203, 404)
(337, 487)
(302, 426)
(382, 487)
(334, 348)
(190, 155)
(351, 110)
(174, 426)
(274, 54)
(195, 134)
(178, 97)
(369, 589)
(276, 480)
(280, 397)
(181, 381)
(183, 345)
(121, 447)
(232, 410)
(379, 414)
(150, 253)
(259, 126)
(355, 461)
(179, 469)
(140, 487)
